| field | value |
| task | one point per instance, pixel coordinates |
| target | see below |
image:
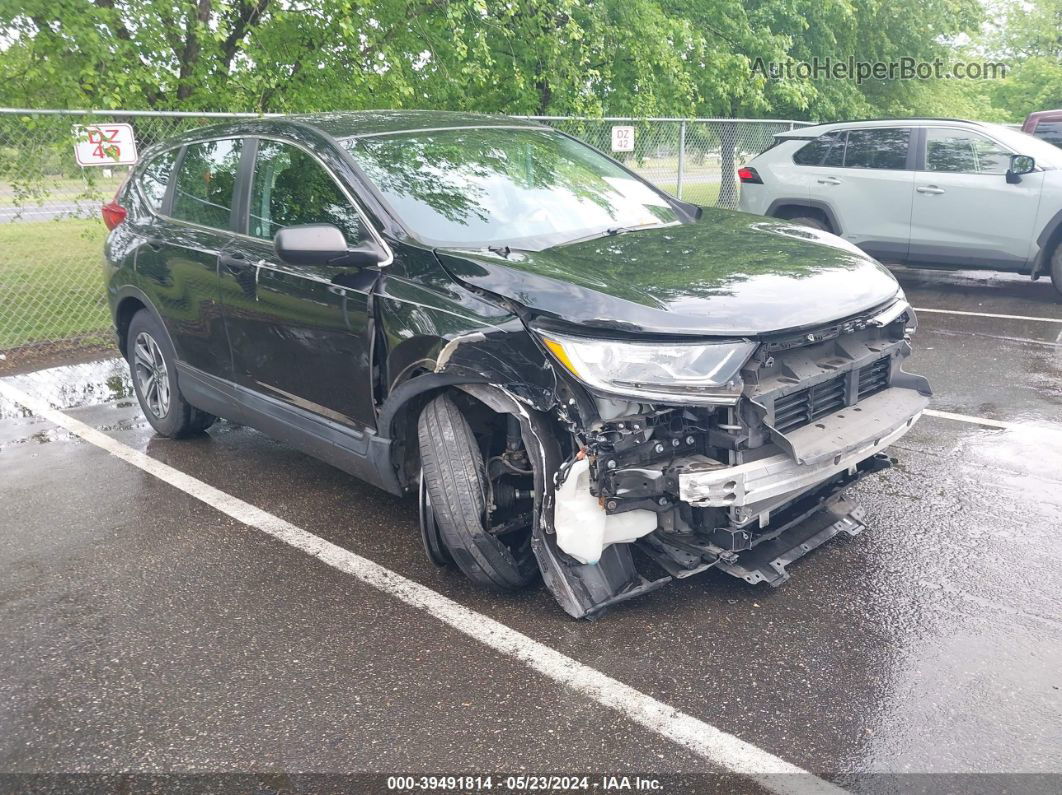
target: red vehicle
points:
(1046, 124)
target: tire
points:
(807, 220)
(456, 481)
(1056, 270)
(152, 364)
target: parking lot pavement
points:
(143, 627)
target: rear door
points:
(965, 211)
(300, 335)
(866, 181)
(178, 265)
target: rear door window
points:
(877, 148)
(206, 182)
(826, 150)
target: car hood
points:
(728, 273)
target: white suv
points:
(929, 192)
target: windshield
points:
(1046, 155)
(530, 189)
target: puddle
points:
(73, 386)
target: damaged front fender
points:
(580, 589)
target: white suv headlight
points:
(702, 373)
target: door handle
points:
(829, 181)
(932, 189)
(234, 263)
(154, 243)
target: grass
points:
(51, 282)
(705, 194)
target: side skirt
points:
(363, 454)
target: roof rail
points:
(898, 118)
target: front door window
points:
(963, 152)
(291, 188)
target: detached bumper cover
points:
(826, 447)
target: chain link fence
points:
(52, 304)
(693, 159)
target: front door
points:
(965, 211)
(300, 335)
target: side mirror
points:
(323, 244)
(1019, 164)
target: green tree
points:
(639, 57)
(1030, 39)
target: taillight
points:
(749, 174)
(113, 214)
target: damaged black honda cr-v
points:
(581, 376)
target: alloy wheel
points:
(151, 375)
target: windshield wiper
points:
(612, 231)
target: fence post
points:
(681, 157)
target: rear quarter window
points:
(156, 176)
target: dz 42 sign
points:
(622, 139)
(104, 145)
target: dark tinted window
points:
(290, 188)
(156, 176)
(1050, 131)
(959, 151)
(885, 148)
(835, 157)
(827, 150)
(205, 183)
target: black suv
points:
(568, 365)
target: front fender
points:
(582, 590)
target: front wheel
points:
(456, 488)
(152, 364)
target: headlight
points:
(697, 373)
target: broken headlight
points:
(677, 372)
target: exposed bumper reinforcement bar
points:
(780, 474)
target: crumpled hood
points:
(729, 274)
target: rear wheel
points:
(1056, 269)
(152, 364)
(459, 494)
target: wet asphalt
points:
(142, 630)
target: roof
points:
(820, 129)
(347, 124)
(344, 124)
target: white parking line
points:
(948, 415)
(988, 314)
(706, 741)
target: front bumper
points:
(817, 452)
